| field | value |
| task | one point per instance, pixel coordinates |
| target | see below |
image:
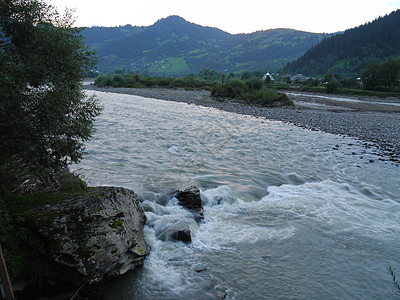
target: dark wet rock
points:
(177, 232)
(94, 236)
(200, 269)
(191, 200)
(181, 235)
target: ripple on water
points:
(288, 212)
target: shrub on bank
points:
(254, 84)
(252, 91)
(137, 81)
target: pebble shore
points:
(374, 128)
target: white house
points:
(266, 75)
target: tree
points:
(332, 86)
(390, 74)
(385, 75)
(246, 75)
(45, 116)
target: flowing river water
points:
(289, 213)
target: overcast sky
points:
(234, 16)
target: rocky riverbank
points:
(80, 242)
(375, 125)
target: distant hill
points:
(173, 47)
(350, 52)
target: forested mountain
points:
(173, 46)
(350, 52)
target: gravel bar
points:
(376, 128)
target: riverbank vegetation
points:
(249, 87)
(45, 117)
(253, 91)
(377, 80)
(139, 81)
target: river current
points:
(289, 213)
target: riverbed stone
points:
(190, 199)
(183, 235)
(93, 236)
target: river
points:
(289, 213)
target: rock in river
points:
(191, 200)
(94, 236)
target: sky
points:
(233, 16)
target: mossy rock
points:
(95, 232)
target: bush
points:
(237, 84)
(254, 83)
(246, 75)
(311, 82)
(131, 80)
(118, 81)
(103, 80)
(332, 86)
(251, 91)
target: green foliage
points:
(350, 52)
(381, 76)
(246, 75)
(349, 83)
(175, 47)
(254, 83)
(118, 80)
(137, 81)
(208, 74)
(311, 82)
(103, 80)
(252, 91)
(332, 86)
(116, 224)
(331, 77)
(44, 114)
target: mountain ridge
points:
(350, 52)
(173, 46)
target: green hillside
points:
(173, 47)
(350, 52)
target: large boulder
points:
(94, 236)
(190, 199)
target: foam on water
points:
(336, 206)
